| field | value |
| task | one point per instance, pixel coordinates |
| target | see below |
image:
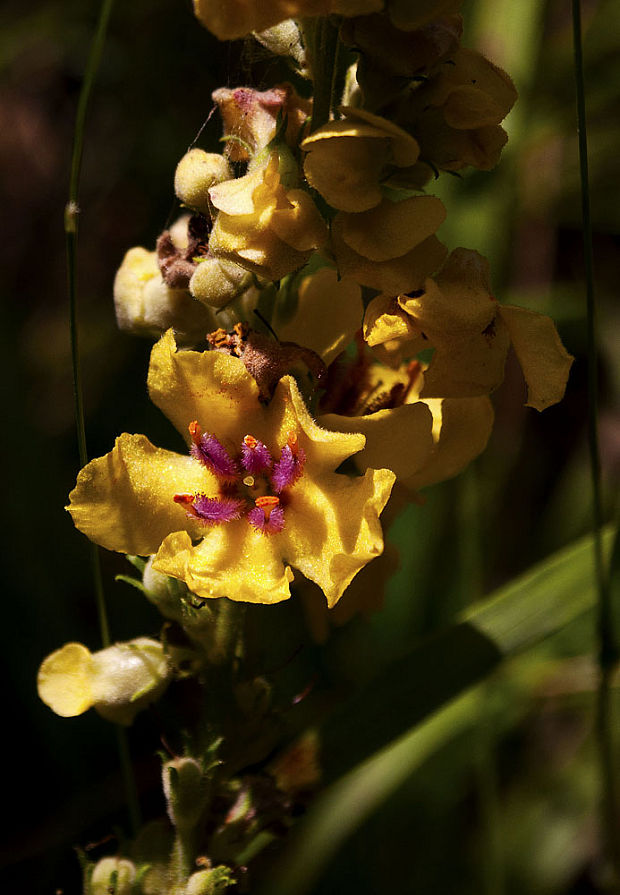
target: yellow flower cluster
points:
(308, 286)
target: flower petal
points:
(466, 367)
(329, 313)
(399, 438)
(64, 680)
(544, 360)
(461, 431)
(233, 561)
(394, 276)
(207, 386)
(336, 529)
(124, 501)
(392, 229)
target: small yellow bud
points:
(113, 875)
(216, 282)
(196, 173)
(186, 788)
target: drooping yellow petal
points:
(461, 432)
(392, 229)
(124, 501)
(337, 529)
(391, 277)
(328, 314)
(64, 680)
(399, 438)
(463, 367)
(231, 561)
(544, 360)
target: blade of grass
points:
(71, 218)
(519, 615)
(607, 647)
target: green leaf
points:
(533, 606)
(425, 700)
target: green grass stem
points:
(71, 219)
(607, 646)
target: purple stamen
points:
(215, 510)
(288, 468)
(267, 524)
(215, 457)
(255, 456)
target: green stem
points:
(71, 217)
(607, 647)
(129, 782)
(321, 39)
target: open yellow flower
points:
(456, 115)
(257, 494)
(457, 315)
(117, 681)
(422, 440)
(347, 159)
(262, 225)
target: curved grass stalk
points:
(607, 647)
(71, 217)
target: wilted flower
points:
(257, 492)
(251, 118)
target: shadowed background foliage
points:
(508, 805)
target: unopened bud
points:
(113, 876)
(186, 788)
(216, 282)
(209, 882)
(196, 173)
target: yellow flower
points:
(422, 440)
(456, 314)
(347, 159)
(229, 19)
(258, 493)
(118, 681)
(392, 247)
(327, 314)
(456, 115)
(262, 225)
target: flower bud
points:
(146, 306)
(186, 788)
(117, 681)
(209, 882)
(196, 173)
(217, 282)
(113, 875)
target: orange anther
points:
(195, 431)
(184, 499)
(292, 442)
(250, 441)
(267, 504)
